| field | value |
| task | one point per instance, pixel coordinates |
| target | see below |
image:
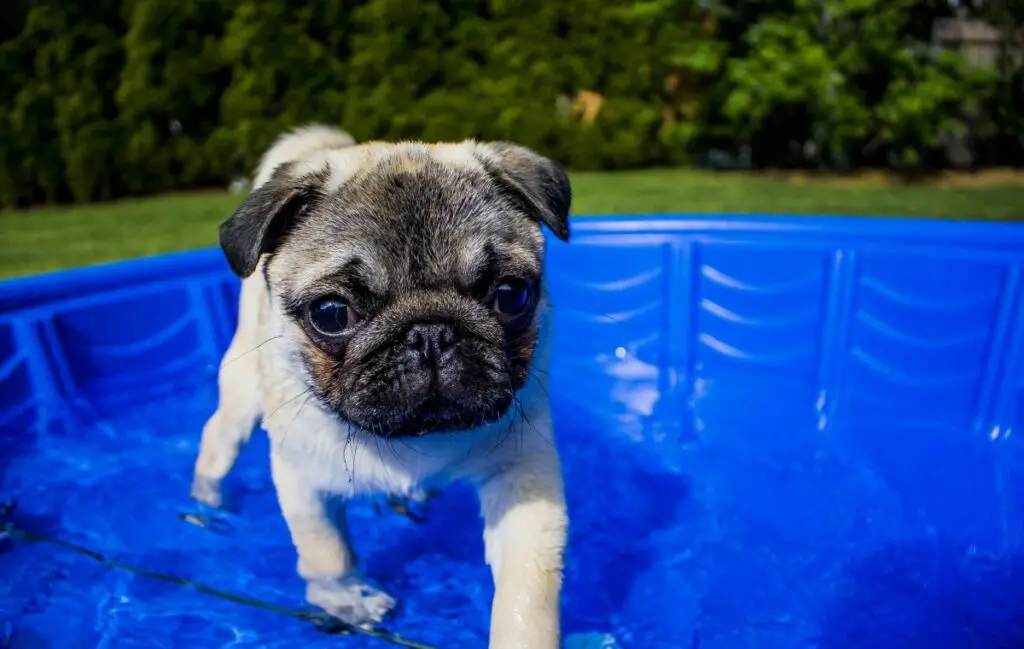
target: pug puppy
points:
(392, 337)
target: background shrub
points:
(119, 97)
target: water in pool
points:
(721, 521)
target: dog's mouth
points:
(441, 417)
(435, 415)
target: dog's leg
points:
(239, 397)
(320, 535)
(525, 536)
(230, 427)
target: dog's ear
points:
(538, 185)
(260, 222)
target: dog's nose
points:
(432, 342)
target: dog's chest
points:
(337, 460)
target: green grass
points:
(46, 239)
(39, 240)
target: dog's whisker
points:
(298, 411)
(231, 360)
(389, 443)
(358, 443)
(472, 441)
(513, 423)
(522, 425)
(541, 385)
(376, 447)
(536, 431)
(501, 440)
(344, 456)
(418, 451)
(278, 409)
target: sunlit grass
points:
(46, 239)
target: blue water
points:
(711, 527)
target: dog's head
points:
(409, 276)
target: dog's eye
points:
(512, 297)
(329, 315)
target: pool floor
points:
(738, 530)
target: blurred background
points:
(130, 127)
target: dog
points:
(393, 336)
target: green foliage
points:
(926, 100)
(120, 97)
(57, 134)
(169, 93)
(842, 81)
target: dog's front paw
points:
(350, 600)
(207, 491)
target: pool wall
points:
(916, 322)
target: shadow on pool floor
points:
(911, 596)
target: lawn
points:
(45, 239)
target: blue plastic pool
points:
(777, 433)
